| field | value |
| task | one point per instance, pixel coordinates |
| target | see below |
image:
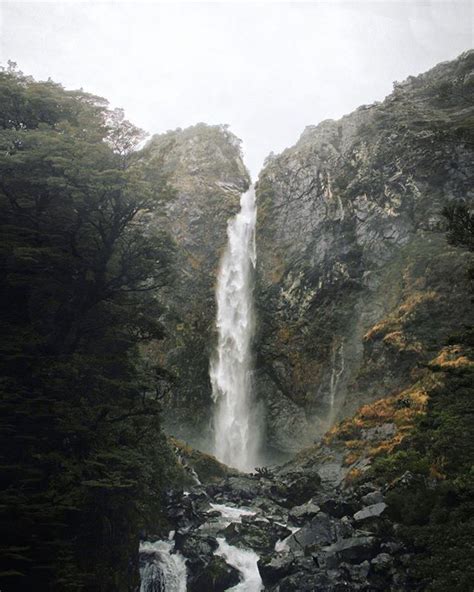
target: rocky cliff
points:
(357, 287)
(206, 174)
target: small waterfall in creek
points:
(235, 422)
(161, 570)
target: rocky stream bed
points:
(287, 529)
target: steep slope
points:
(204, 168)
(357, 287)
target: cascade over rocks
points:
(298, 547)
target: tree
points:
(460, 231)
(83, 458)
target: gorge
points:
(354, 300)
(213, 385)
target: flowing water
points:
(235, 414)
(162, 570)
(337, 365)
(235, 417)
(244, 560)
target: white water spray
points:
(162, 570)
(236, 427)
(337, 365)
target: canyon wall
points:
(206, 175)
(357, 287)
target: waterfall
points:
(336, 373)
(235, 423)
(161, 570)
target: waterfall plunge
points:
(235, 421)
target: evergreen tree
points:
(82, 456)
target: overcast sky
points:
(266, 68)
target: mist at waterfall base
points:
(237, 417)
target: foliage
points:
(432, 471)
(460, 225)
(83, 460)
(433, 490)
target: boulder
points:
(374, 497)
(381, 432)
(320, 531)
(306, 582)
(242, 488)
(369, 512)
(352, 550)
(301, 514)
(274, 567)
(301, 486)
(216, 576)
(382, 562)
(198, 549)
(258, 535)
(337, 507)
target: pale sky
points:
(266, 68)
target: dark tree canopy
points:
(460, 221)
(82, 456)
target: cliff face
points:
(353, 290)
(204, 168)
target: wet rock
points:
(320, 531)
(216, 576)
(305, 582)
(369, 512)
(255, 534)
(271, 510)
(195, 545)
(301, 486)
(382, 562)
(337, 507)
(275, 567)
(374, 497)
(353, 550)
(301, 514)
(357, 572)
(242, 488)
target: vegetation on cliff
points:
(432, 470)
(356, 285)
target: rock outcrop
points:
(356, 283)
(320, 544)
(204, 168)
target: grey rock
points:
(216, 576)
(301, 514)
(357, 572)
(243, 488)
(374, 497)
(319, 532)
(273, 568)
(344, 221)
(354, 549)
(301, 486)
(381, 432)
(369, 512)
(382, 562)
(256, 534)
